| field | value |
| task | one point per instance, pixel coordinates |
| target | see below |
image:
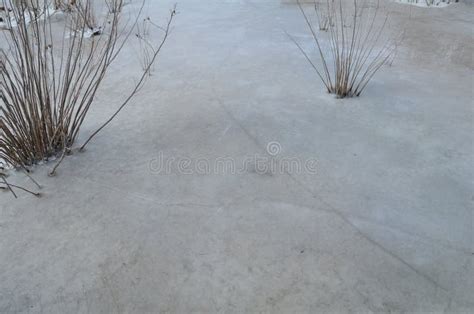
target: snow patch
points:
(428, 3)
(86, 32)
(8, 19)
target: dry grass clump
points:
(352, 48)
(50, 72)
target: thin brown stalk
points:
(11, 186)
(141, 81)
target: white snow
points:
(10, 20)
(86, 32)
(427, 3)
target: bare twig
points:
(8, 186)
(140, 82)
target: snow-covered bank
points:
(428, 3)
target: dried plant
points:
(147, 49)
(49, 78)
(355, 48)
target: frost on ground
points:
(385, 225)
